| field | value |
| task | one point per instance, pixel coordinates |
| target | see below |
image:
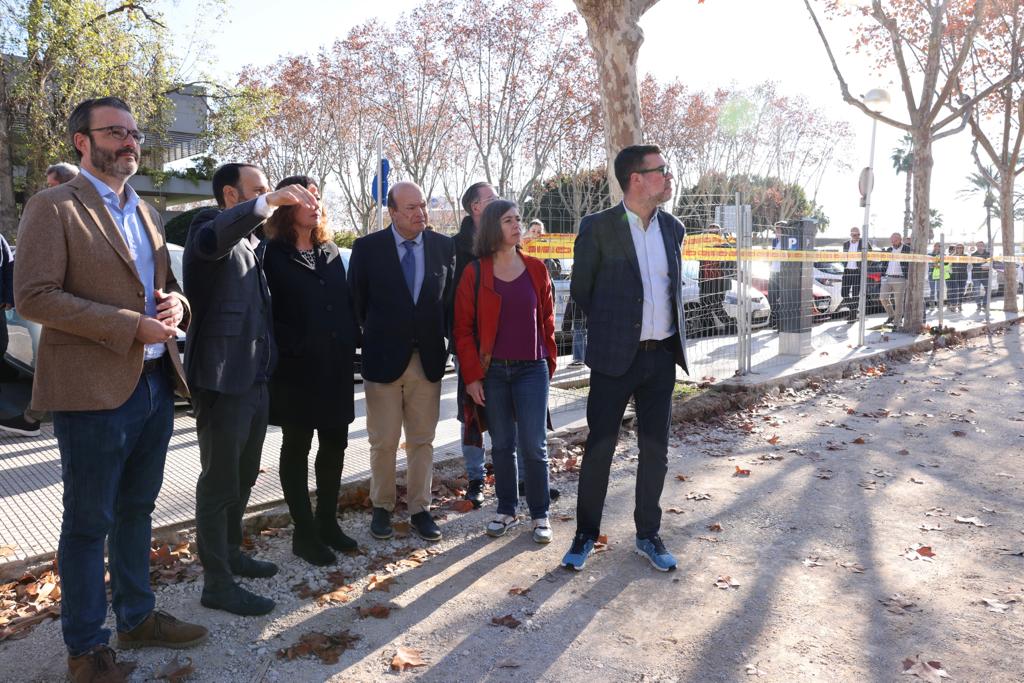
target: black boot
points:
(306, 544)
(330, 533)
(475, 492)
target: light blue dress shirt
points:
(417, 254)
(135, 237)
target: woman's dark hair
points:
(489, 236)
(281, 224)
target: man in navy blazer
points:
(626, 279)
(402, 280)
(229, 357)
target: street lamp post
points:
(990, 201)
(876, 100)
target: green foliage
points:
(202, 169)
(770, 200)
(176, 229)
(562, 200)
(345, 238)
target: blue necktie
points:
(409, 267)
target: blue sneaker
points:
(576, 558)
(654, 550)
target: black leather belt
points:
(655, 344)
(153, 365)
(512, 363)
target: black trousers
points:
(294, 468)
(650, 381)
(851, 290)
(231, 430)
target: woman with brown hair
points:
(505, 340)
(312, 387)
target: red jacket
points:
(472, 363)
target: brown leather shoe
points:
(99, 665)
(160, 629)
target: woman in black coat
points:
(312, 387)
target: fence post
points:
(744, 313)
(942, 277)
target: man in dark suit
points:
(229, 357)
(850, 289)
(401, 281)
(626, 279)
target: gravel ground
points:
(810, 546)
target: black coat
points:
(315, 329)
(393, 326)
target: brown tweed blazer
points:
(74, 276)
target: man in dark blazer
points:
(850, 289)
(401, 281)
(626, 279)
(229, 357)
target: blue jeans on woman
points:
(112, 466)
(579, 340)
(516, 407)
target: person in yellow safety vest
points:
(934, 279)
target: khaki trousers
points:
(414, 402)
(892, 293)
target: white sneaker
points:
(501, 524)
(541, 530)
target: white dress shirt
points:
(854, 247)
(895, 268)
(658, 321)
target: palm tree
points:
(903, 161)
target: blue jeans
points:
(112, 466)
(579, 340)
(516, 395)
(472, 456)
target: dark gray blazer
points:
(229, 345)
(606, 285)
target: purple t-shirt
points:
(517, 337)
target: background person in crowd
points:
(58, 174)
(626, 278)
(474, 200)
(505, 339)
(957, 280)
(894, 282)
(230, 355)
(850, 288)
(712, 279)
(312, 386)
(94, 272)
(935, 274)
(400, 280)
(980, 276)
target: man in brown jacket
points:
(93, 270)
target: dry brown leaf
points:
(900, 604)
(340, 595)
(327, 647)
(932, 672)
(725, 583)
(601, 543)
(998, 607)
(406, 658)
(970, 520)
(812, 561)
(919, 552)
(698, 496)
(740, 472)
(682, 477)
(380, 583)
(375, 611)
(710, 539)
(859, 441)
(774, 439)
(957, 432)
(903, 451)
(461, 505)
(931, 527)
(752, 670)
(403, 528)
(176, 671)
(714, 527)
(675, 510)
(824, 474)
(518, 591)
(854, 567)
(507, 621)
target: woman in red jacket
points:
(505, 341)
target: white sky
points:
(721, 42)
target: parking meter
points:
(796, 288)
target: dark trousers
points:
(650, 381)
(231, 429)
(851, 291)
(294, 468)
(112, 466)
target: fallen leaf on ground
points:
(378, 583)
(996, 606)
(508, 621)
(710, 539)
(919, 552)
(402, 529)
(931, 527)
(970, 520)
(915, 480)
(1004, 475)
(879, 472)
(754, 671)
(811, 562)
(601, 543)
(176, 671)
(869, 484)
(518, 591)
(698, 496)
(714, 527)
(957, 432)
(375, 611)
(824, 474)
(682, 477)
(900, 604)
(932, 672)
(328, 647)
(406, 658)
(740, 472)
(461, 505)
(903, 451)
(674, 510)
(508, 664)
(770, 456)
(854, 567)
(774, 440)
(725, 583)
(936, 512)
(859, 441)
(8, 550)
(340, 595)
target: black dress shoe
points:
(380, 525)
(331, 534)
(251, 568)
(237, 600)
(475, 492)
(424, 526)
(308, 546)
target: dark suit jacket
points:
(392, 324)
(315, 332)
(606, 286)
(229, 345)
